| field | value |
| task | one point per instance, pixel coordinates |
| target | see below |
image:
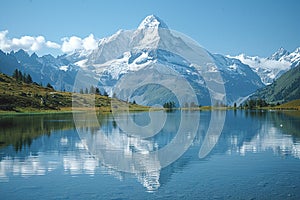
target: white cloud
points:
(40, 44)
(52, 45)
(27, 43)
(73, 43)
(89, 43)
(3, 41)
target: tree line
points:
(26, 78)
(169, 105)
(19, 76)
(92, 90)
(255, 103)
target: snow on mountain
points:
(153, 44)
(272, 67)
(110, 48)
(293, 58)
(283, 55)
(64, 68)
(267, 69)
(279, 54)
(152, 21)
(240, 80)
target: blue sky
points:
(256, 27)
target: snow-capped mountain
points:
(281, 52)
(153, 45)
(283, 55)
(153, 49)
(272, 67)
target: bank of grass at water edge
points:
(291, 105)
(18, 97)
(26, 111)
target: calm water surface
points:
(256, 156)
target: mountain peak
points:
(281, 50)
(152, 21)
(21, 51)
(279, 53)
(297, 50)
(34, 56)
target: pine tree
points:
(49, 86)
(169, 105)
(97, 91)
(20, 76)
(24, 77)
(16, 74)
(92, 89)
(28, 79)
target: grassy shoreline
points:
(18, 97)
(135, 109)
(69, 110)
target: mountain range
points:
(272, 67)
(285, 88)
(153, 46)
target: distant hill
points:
(295, 104)
(285, 88)
(19, 96)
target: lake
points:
(231, 154)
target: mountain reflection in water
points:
(41, 144)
